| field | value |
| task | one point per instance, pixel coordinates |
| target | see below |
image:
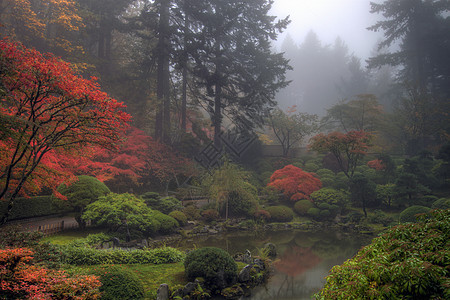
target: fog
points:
(328, 44)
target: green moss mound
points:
(214, 265)
(407, 262)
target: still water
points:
(304, 258)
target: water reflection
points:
(304, 258)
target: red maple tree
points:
(295, 183)
(348, 148)
(46, 109)
(376, 164)
(138, 159)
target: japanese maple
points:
(295, 183)
(376, 164)
(50, 111)
(347, 148)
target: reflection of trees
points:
(296, 261)
(293, 262)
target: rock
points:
(144, 243)
(212, 231)
(189, 288)
(244, 274)
(163, 292)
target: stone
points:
(163, 292)
(189, 288)
(244, 274)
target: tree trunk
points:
(184, 65)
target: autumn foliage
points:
(376, 164)
(348, 148)
(20, 279)
(295, 183)
(47, 110)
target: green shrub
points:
(214, 265)
(427, 200)
(243, 202)
(325, 173)
(354, 217)
(34, 207)
(262, 215)
(280, 213)
(314, 213)
(330, 196)
(324, 214)
(327, 181)
(192, 213)
(379, 217)
(97, 238)
(210, 215)
(322, 206)
(409, 214)
(179, 216)
(301, 207)
(409, 261)
(83, 192)
(167, 223)
(311, 167)
(443, 203)
(119, 283)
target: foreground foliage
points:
(21, 279)
(407, 262)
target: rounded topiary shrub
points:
(409, 214)
(119, 283)
(214, 265)
(280, 213)
(443, 203)
(167, 223)
(301, 207)
(179, 216)
(314, 212)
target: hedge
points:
(34, 207)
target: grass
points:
(67, 236)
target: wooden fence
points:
(55, 227)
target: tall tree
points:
(234, 63)
(292, 127)
(421, 26)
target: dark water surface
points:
(304, 258)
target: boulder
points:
(163, 292)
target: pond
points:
(304, 258)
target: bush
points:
(179, 216)
(408, 261)
(192, 213)
(83, 192)
(210, 215)
(301, 207)
(409, 214)
(280, 213)
(214, 265)
(314, 213)
(243, 202)
(262, 215)
(330, 196)
(119, 283)
(354, 216)
(443, 203)
(167, 223)
(379, 217)
(168, 204)
(427, 200)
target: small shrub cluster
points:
(443, 203)
(192, 213)
(280, 213)
(214, 265)
(262, 215)
(379, 217)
